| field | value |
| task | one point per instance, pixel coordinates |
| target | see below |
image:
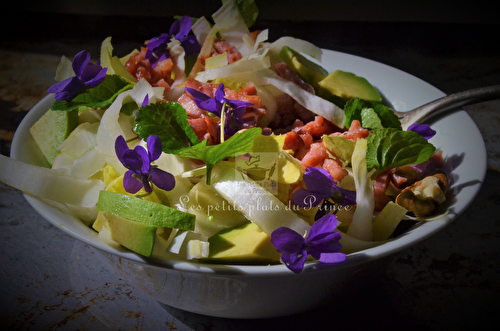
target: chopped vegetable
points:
(361, 226)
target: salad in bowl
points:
(209, 143)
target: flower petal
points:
(287, 240)
(349, 196)
(294, 261)
(239, 103)
(307, 199)
(145, 102)
(181, 28)
(422, 129)
(67, 89)
(219, 94)
(130, 183)
(155, 61)
(212, 106)
(159, 41)
(318, 180)
(332, 257)
(326, 225)
(132, 161)
(190, 45)
(120, 148)
(99, 75)
(144, 157)
(327, 243)
(154, 147)
(198, 96)
(79, 63)
(162, 179)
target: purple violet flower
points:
(157, 46)
(138, 162)
(219, 107)
(322, 243)
(86, 75)
(321, 189)
(422, 129)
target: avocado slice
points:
(307, 70)
(245, 244)
(144, 211)
(52, 129)
(138, 237)
(347, 85)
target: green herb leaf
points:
(240, 143)
(168, 121)
(129, 108)
(100, 96)
(353, 111)
(390, 148)
(248, 9)
(370, 119)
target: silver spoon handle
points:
(450, 102)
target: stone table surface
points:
(51, 281)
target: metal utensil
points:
(448, 103)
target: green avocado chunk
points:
(307, 70)
(347, 85)
(144, 211)
(245, 244)
(138, 237)
(52, 129)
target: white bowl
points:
(237, 291)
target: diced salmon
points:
(235, 95)
(249, 89)
(317, 128)
(379, 187)
(335, 169)
(192, 110)
(204, 128)
(315, 156)
(355, 131)
(222, 46)
(156, 75)
(293, 141)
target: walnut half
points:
(423, 197)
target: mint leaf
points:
(168, 121)
(354, 107)
(129, 108)
(390, 148)
(100, 96)
(240, 143)
(370, 119)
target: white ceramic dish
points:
(269, 291)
